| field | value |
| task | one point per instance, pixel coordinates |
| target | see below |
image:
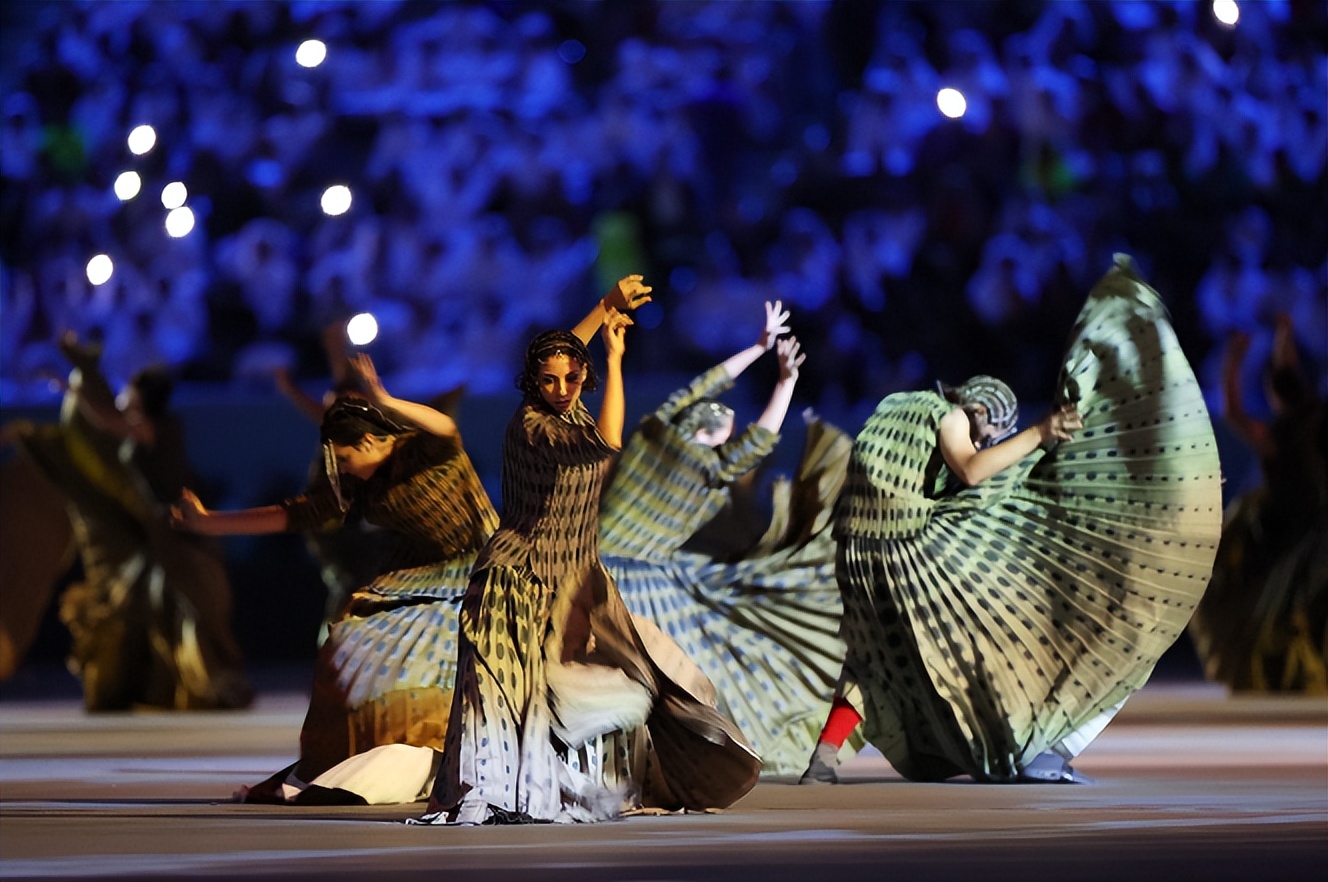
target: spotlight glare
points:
(336, 199)
(100, 269)
(179, 222)
(1226, 12)
(127, 185)
(142, 139)
(362, 329)
(174, 194)
(311, 53)
(951, 103)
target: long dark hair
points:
(345, 423)
(547, 345)
(350, 418)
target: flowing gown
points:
(384, 674)
(761, 621)
(988, 625)
(150, 619)
(566, 709)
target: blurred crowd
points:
(509, 159)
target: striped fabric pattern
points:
(385, 673)
(549, 650)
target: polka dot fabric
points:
(988, 625)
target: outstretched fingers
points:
(776, 323)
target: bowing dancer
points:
(382, 687)
(566, 709)
(764, 626)
(1005, 593)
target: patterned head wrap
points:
(347, 421)
(547, 345)
(998, 399)
(706, 414)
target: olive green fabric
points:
(760, 618)
(988, 625)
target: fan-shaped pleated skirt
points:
(1019, 617)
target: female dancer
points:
(1002, 600)
(763, 628)
(1263, 623)
(150, 620)
(562, 712)
(384, 675)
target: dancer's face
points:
(560, 380)
(363, 458)
(983, 433)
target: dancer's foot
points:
(1050, 768)
(821, 767)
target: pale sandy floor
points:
(1191, 784)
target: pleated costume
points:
(761, 621)
(565, 709)
(987, 625)
(349, 552)
(1263, 623)
(150, 620)
(384, 674)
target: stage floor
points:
(1191, 784)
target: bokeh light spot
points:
(951, 103)
(336, 200)
(311, 53)
(174, 194)
(142, 139)
(362, 329)
(128, 185)
(100, 269)
(1226, 12)
(180, 222)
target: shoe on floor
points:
(1050, 768)
(821, 767)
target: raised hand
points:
(790, 355)
(363, 367)
(776, 323)
(614, 332)
(630, 292)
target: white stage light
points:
(1226, 11)
(100, 269)
(142, 139)
(174, 194)
(127, 185)
(179, 222)
(311, 53)
(951, 103)
(336, 199)
(362, 329)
